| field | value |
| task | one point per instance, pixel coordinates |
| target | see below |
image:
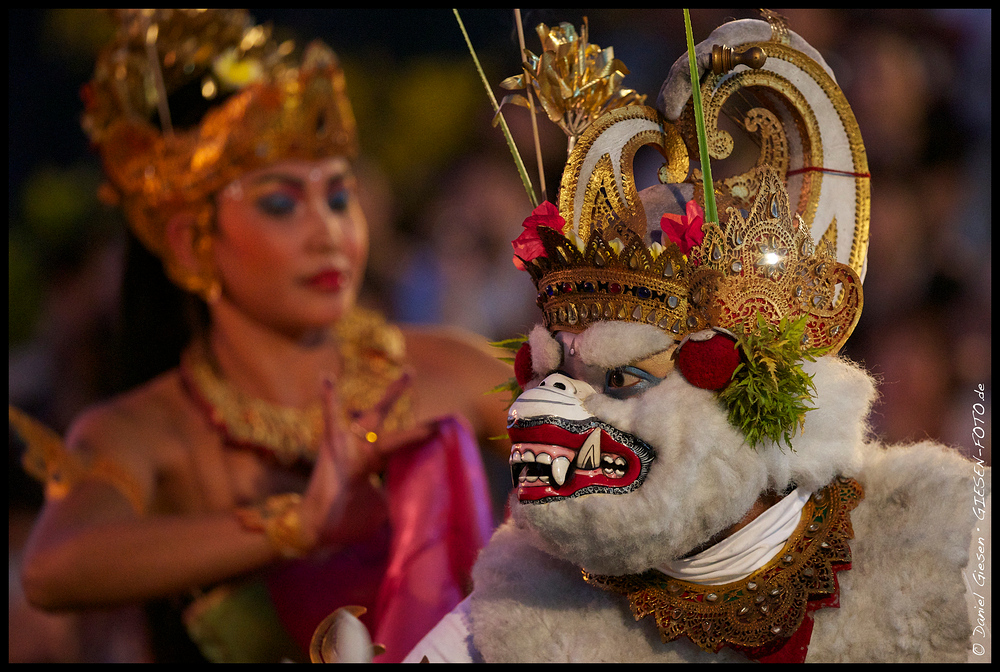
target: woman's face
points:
(291, 244)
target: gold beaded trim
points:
(765, 608)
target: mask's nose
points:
(558, 395)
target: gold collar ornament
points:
(756, 615)
(372, 364)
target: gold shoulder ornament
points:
(47, 459)
(757, 614)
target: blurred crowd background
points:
(444, 200)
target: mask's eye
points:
(628, 381)
(276, 204)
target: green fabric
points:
(242, 627)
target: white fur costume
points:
(902, 600)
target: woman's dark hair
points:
(158, 319)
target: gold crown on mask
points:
(604, 266)
(606, 258)
(264, 103)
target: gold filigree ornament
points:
(789, 114)
(576, 82)
(47, 459)
(372, 368)
(765, 263)
(759, 613)
(265, 103)
(604, 268)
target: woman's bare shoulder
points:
(455, 371)
(452, 348)
(142, 418)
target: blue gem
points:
(644, 293)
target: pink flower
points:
(528, 245)
(685, 230)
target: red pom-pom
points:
(709, 364)
(522, 365)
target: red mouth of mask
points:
(553, 459)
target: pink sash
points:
(412, 572)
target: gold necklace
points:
(372, 353)
(757, 614)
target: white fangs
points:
(560, 466)
(589, 456)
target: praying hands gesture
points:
(343, 501)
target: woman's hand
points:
(338, 485)
(341, 503)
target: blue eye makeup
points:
(276, 204)
(338, 200)
(628, 381)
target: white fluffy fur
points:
(903, 600)
(546, 353)
(705, 477)
(612, 344)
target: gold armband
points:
(279, 518)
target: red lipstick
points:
(330, 280)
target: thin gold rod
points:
(152, 34)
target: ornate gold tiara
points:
(762, 262)
(271, 105)
(765, 262)
(610, 256)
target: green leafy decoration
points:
(770, 393)
(511, 346)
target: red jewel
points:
(615, 288)
(567, 287)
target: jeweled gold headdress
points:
(782, 279)
(612, 253)
(270, 105)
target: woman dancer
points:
(305, 454)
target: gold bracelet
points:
(278, 517)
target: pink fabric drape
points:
(413, 571)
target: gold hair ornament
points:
(279, 106)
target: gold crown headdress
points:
(604, 257)
(270, 105)
(783, 278)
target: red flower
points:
(522, 365)
(685, 230)
(528, 245)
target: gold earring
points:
(212, 293)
